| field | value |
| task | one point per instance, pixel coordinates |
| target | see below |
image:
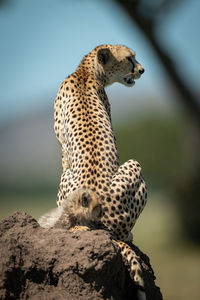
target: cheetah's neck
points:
(87, 79)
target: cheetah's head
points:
(87, 206)
(118, 64)
(91, 203)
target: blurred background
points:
(157, 121)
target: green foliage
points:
(157, 145)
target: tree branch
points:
(146, 24)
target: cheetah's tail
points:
(131, 260)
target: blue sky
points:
(43, 41)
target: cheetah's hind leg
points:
(131, 260)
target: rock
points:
(38, 263)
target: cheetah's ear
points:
(85, 199)
(103, 56)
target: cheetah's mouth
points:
(129, 81)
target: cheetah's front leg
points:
(79, 228)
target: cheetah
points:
(84, 130)
(80, 211)
(82, 124)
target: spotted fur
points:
(84, 130)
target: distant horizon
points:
(121, 106)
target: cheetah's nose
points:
(141, 71)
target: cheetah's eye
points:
(132, 63)
(85, 200)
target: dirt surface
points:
(38, 263)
